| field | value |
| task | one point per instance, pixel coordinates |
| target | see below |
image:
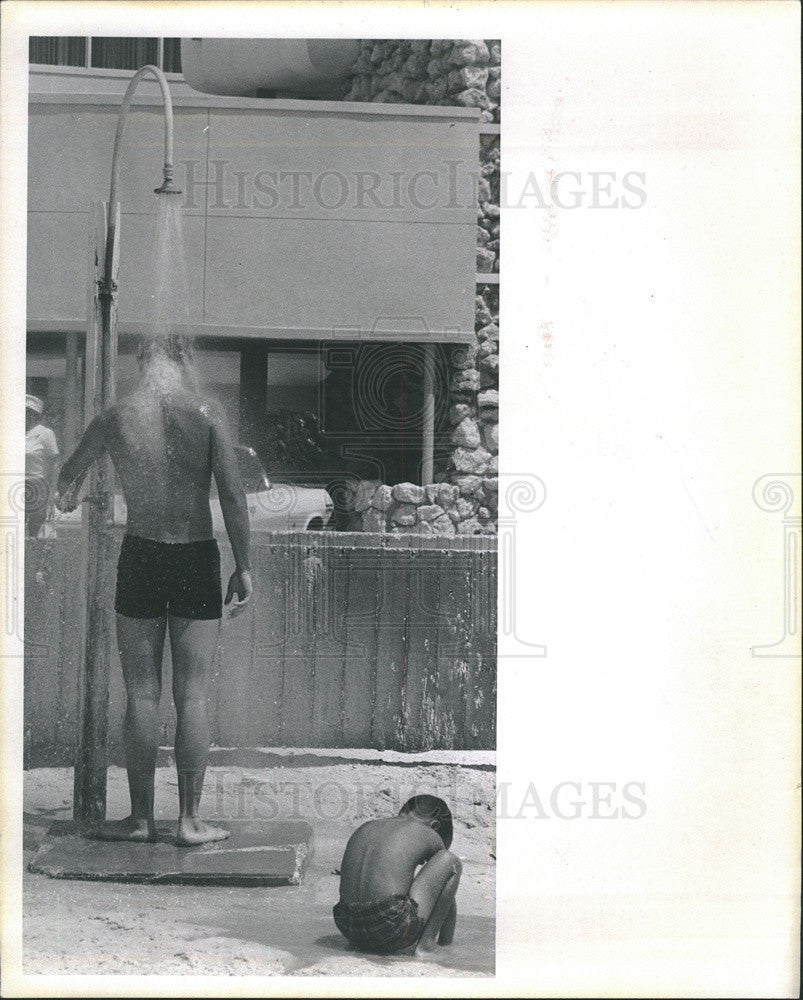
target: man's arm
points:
(235, 511)
(90, 448)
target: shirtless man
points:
(166, 442)
(384, 905)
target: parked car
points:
(271, 506)
(293, 445)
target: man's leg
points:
(141, 643)
(434, 889)
(193, 646)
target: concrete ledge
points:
(259, 757)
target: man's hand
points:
(241, 585)
(68, 500)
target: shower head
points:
(167, 186)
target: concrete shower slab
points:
(258, 853)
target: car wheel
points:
(316, 524)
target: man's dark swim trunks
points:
(390, 925)
(156, 578)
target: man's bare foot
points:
(140, 831)
(193, 831)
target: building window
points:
(106, 53)
(171, 55)
(63, 51)
(124, 53)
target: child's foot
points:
(140, 831)
(193, 831)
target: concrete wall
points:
(396, 273)
(350, 643)
(283, 238)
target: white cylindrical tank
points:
(286, 66)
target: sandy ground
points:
(96, 927)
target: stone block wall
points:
(450, 72)
(465, 73)
(488, 206)
(466, 506)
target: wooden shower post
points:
(71, 392)
(89, 786)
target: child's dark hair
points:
(433, 811)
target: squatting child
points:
(386, 905)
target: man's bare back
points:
(162, 453)
(165, 448)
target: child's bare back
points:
(386, 905)
(381, 858)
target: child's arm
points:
(429, 844)
(446, 935)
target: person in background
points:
(41, 468)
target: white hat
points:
(34, 403)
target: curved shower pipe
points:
(108, 287)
